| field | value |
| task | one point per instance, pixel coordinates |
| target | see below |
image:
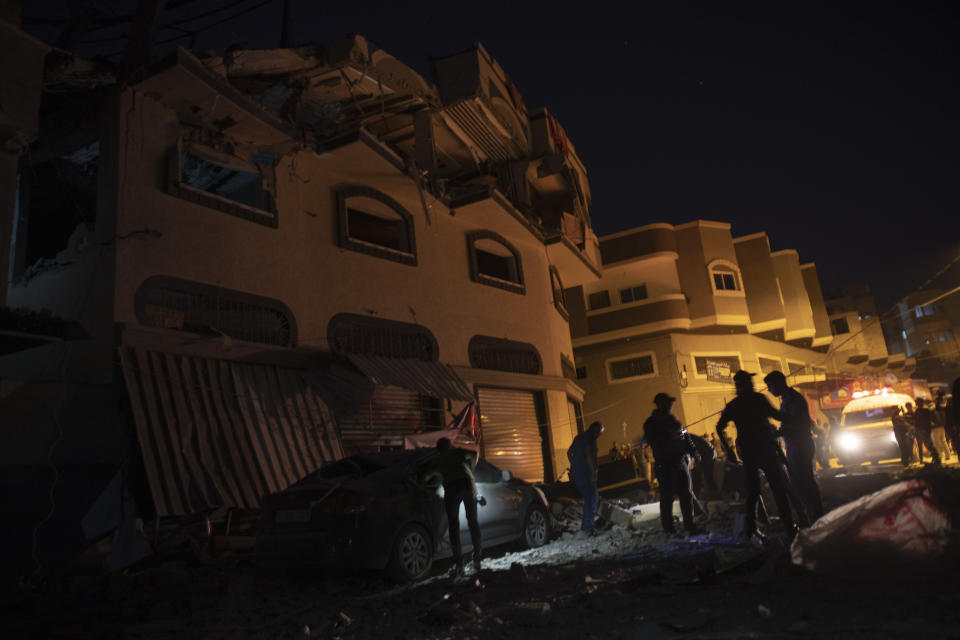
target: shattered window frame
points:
(407, 251)
(515, 283)
(266, 215)
(166, 302)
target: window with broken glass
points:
(182, 305)
(494, 261)
(373, 223)
(224, 182)
(769, 364)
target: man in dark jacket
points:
(756, 440)
(902, 434)
(454, 468)
(923, 428)
(670, 445)
(582, 455)
(797, 431)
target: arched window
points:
(352, 333)
(494, 261)
(183, 305)
(725, 277)
(559, 299)
(374, 223)
(497, 354)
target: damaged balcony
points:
(483, 105)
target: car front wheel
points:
(412, 554)
(536, 527)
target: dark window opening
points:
(581, 373)
(494, 266)
(631, 368)
(431, 411)
(375, 224)
(494, 262)
(559, 297)
(224, 180)
(504, 355)
(632, 294)
(770, 364)
(366, 227)
(352, 333)
(171, 303)
(724, 282)
(732, 361)
(796, 368)
(599, 300)
(839, 326)
(54, 197)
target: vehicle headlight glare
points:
(849, 442)
(893, 437)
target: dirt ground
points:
(621, 584)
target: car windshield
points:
(855, 418)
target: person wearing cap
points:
(670, 445)
(757, 442)
(797, 432)
(582, 455)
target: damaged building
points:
(281, 257)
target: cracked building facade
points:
(271, 243)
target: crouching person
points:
(670, 445)
(454, 468)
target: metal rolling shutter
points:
(389, 415)
(510, 433)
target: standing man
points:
(923, 425)
(756, 439)
(901, 431)
(454, 467)
(582, 455)
(796, 429)
(670, 444)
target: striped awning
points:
(219, 433)
(433, 379)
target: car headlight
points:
(893, 437)
(849, 441)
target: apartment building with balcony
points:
(679, 309)
(924, 329)
(300, 253)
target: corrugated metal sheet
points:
(389, 415)
(219, 433)
(432, 379)
(510, 432)
(469, 115)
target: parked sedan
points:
(370, 511)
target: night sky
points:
(834, 128)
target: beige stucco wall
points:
(760, 283)
(796, 301)
(301, 264)
(821, 320)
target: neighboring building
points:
(927, 331)
(679, 309)
(270, 234)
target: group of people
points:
(790, 474)
(931, 425)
